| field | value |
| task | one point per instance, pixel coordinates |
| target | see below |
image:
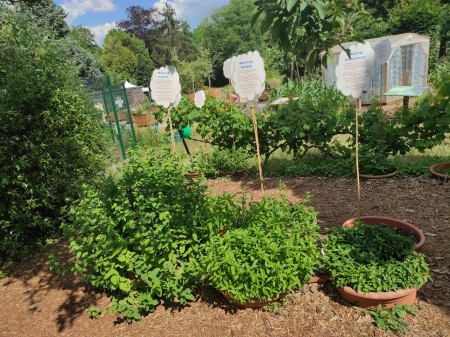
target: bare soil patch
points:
(315, 310)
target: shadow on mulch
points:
(79, 294)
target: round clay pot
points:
(191, 174)
(235, 173)
(369, 300)
(436, 167)
(376, 220)
(367, 177)
(319, 278)
(140, 120)
(255, 304)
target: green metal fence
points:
(116, 110)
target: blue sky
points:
(102, 15)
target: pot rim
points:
(436, 166)
(392, 223)
(375, 299)
(389, 175)
(378, 294)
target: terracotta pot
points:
(436, 167)
(235, 173)
(140, 120)
(123, 116)
(191, 174)
(376, 220)
(366, 177)
(253, 304)
(369, 300)
(319, 278)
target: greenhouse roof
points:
(395, 40)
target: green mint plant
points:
(370, 258)
(230, 160)
(260, 250)
(392, 319)
(139, 233)
(201, 163)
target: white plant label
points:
(354, 74)
(226, 68)
(165, 86)
(177, 96)
(382, 51)
(248, 76)
(199, 99)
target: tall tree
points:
(141, 23)
(46, 15)
(85, 39)
(174, 39)
(120, 57)
(228, 31)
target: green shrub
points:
(260, 250)
(139, 233)
(230, 160)
(360, 257)
(51, 136)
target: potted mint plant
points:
(230, 161)
(258, 251)
(371, 265)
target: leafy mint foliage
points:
(137, 234)
(230, 160)
(391, 320)
(370, 258)
(201, 163)
(260, 250)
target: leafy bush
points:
(229, 161)
(201, 163)
(360, 257)
(139, 234)
(51, 136)
(260, 250)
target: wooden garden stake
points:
(171, 129)
(358, 102)
(255, 127)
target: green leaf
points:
(255, 17)
(320, 9)
(290, 4)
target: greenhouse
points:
(407, 65)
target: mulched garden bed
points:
(58, 302)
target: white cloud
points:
(76, 8)
(101, 31)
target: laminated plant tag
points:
(199, 99)
(354, 73)
(382, 51)
(165, 86)
(248, 75)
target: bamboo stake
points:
(358, 102)
(255, 127)
(171, 129)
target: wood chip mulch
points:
(37, 302)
